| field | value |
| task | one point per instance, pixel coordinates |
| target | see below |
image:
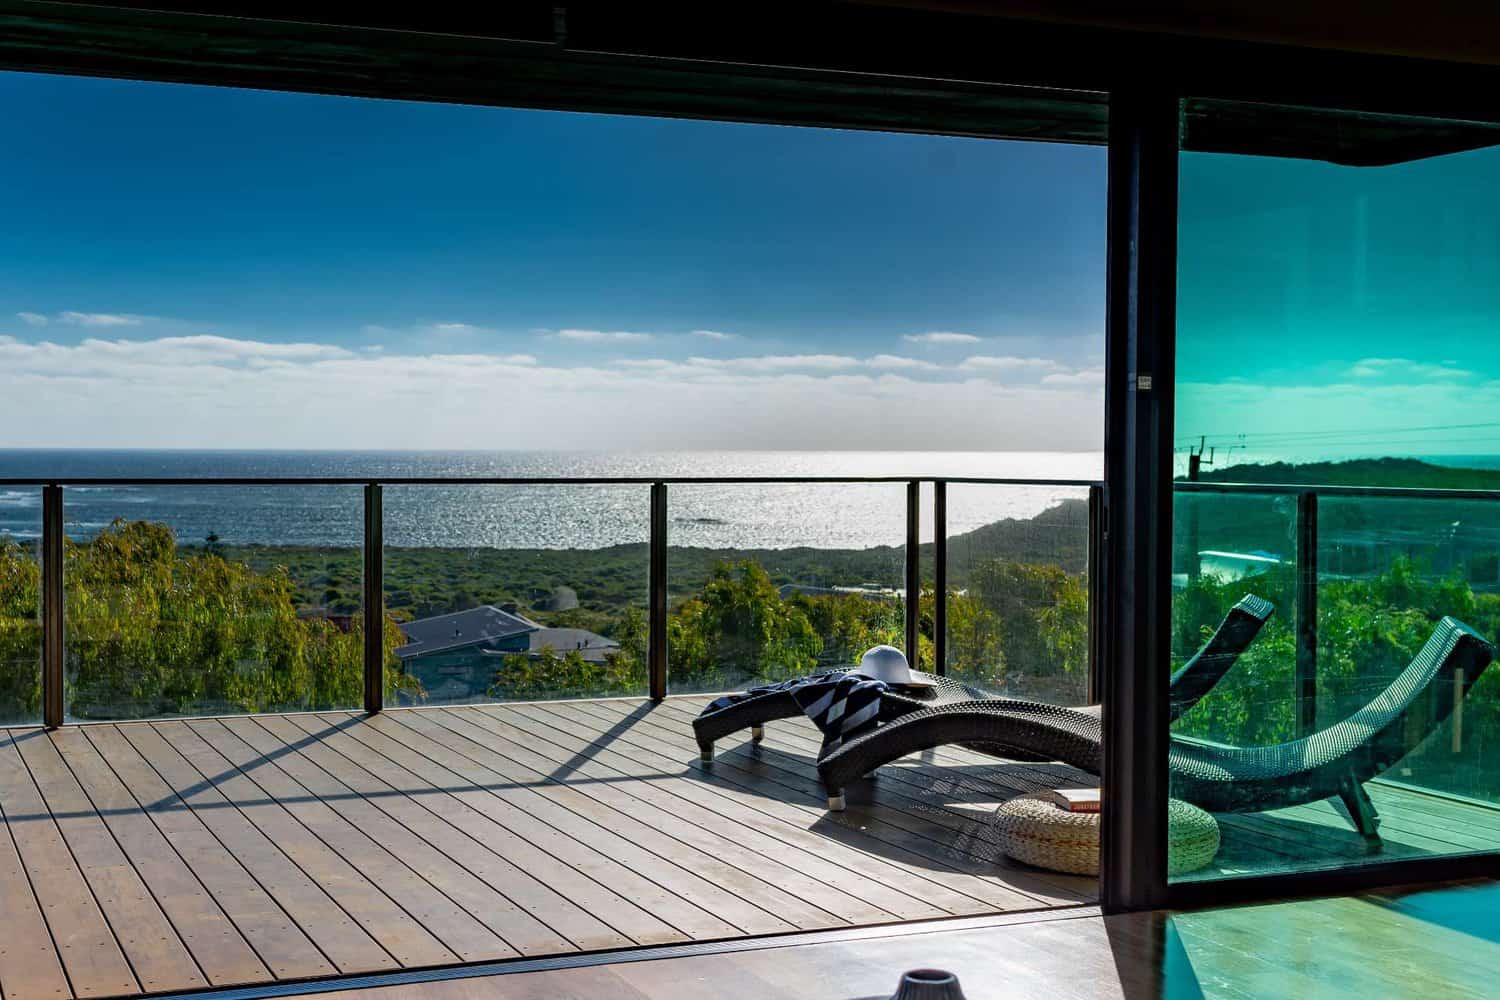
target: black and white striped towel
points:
(841, 704)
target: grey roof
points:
(461, 628)
(560, 640)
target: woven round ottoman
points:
(1033, 829)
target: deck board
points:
(285, 950)
(89, 951)
(144, 857)
(316, 913)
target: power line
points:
(1342, 433)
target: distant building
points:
(869, 591)
(455, 656)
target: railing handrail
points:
(373, 544)
(106, 481)
(1295, 489)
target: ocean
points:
(534, 516)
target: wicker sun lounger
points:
(1336, 761)
(1195, 679)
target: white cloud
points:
(616, 336)
(987, 362)
(893, 361)
(455, 328)
(1343, 413)
(779, 362)
(1085, 376)
(32, 319)
(1405, 368)
(210, 391)
(941, 337)
(715, 335)
(99, 319)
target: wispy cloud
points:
(780, 362)
(597, 336)
(211, 391)
(1085, 376)
(941, 337)
(32, 319)
(99, 319)
(1399, 368)
(989, 362)
(715, 335)
(895, 362)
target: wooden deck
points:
(150, 857)
(1436, 941)
(1412, 824)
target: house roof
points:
(461, 628)
(561, 640)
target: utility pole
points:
(1195, 468)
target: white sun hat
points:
(887, 663)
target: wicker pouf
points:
(1033, 829)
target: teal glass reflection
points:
(1334, 347)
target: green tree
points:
(151, 631)
(739, 628)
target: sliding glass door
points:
(1337, 448)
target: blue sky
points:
(209, 267)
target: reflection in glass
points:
(1334, 341)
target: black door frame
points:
(854, 65)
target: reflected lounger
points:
(1194, 680)
(1220, 778)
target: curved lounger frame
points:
(1194, 680)
(1219, 778)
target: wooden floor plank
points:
(362, 896)
(221, 952)
(534, 879)
(474, 920)
(605, 828)
(156, 952)
(285, 950)
(29, 963)
(588, 847)
(630, 904)
(926, 878)
(91, 956)
(801, 900)
(850, 871)
(779, 815)
(839, 890)
(962, 870)
(317, 913)
(273, 847)
(797, 772)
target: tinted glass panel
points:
(1336, 347)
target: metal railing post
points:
(374, 599)
(656, 637)
(1093, 564)
(1306, 683)
(913, 572)
(940, 577)
(52, 606)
